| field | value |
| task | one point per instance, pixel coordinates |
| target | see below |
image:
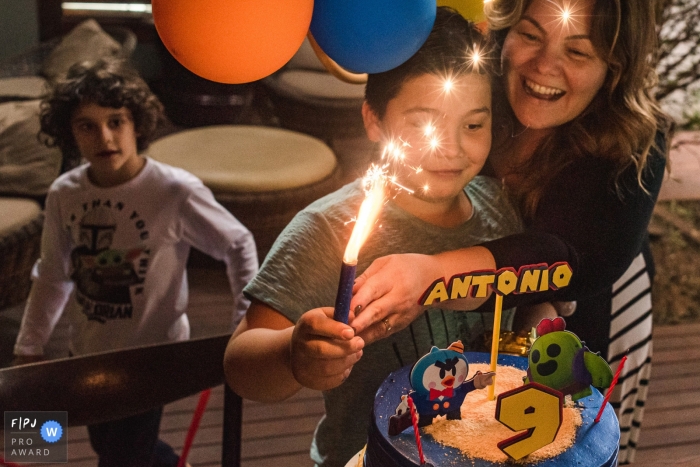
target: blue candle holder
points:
(342, 299)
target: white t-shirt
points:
(115, 258)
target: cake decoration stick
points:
(194, 426)
(369, 210)
(494, 342)
(416, 433)
(610, 389)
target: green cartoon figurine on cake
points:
(559, 360)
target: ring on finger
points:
(387, 325)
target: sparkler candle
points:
(369, 210)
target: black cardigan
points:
(584, 220)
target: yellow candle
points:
(494, 341)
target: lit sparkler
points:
(374, 183)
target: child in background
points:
(288, 338)
(116, 239)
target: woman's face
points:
(552, 70)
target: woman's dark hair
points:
(107, 83)
(447, 51)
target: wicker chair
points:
(307, 98)
(19, 247)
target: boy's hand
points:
(25, 359)
(323, 351)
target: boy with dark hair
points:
(117, 234)
(437, 108)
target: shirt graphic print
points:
(108, 273)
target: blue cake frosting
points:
(596, 444)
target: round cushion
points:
(238, 158)
(15, 213)
(317, 103)
(262, 175)
(24, 87)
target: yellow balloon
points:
(473, 10)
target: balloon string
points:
(333, 68)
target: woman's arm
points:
(269, 358)
(582, 220)
(393, 285)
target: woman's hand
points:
(323, 351)
(386, 295)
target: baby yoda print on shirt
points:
(110, 259)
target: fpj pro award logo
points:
(36, 436)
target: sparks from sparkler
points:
(474, 58)
(565, 15)
(373, 184)
(567, 12)
(378, 175)
(393, 153)
(447, 85)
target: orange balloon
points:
(232, 41)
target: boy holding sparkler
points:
(433, 114)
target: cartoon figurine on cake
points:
(439, 387)
(559, 360)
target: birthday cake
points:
(474, 439)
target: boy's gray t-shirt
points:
(302, 270)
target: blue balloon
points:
(371, 36)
